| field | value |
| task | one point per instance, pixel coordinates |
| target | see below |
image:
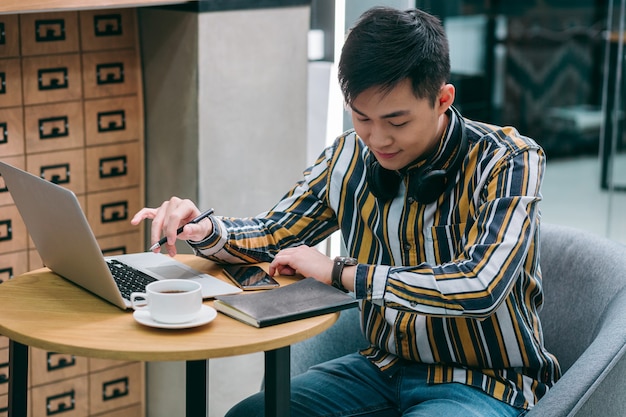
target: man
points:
(441, 217)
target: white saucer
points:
(206, 315)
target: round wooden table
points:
(41, 309)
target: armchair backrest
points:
(582, 273)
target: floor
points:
(572, 197)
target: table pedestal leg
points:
(197, 400)
(277, 382)
(18, 379)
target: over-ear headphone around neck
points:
(428, 182)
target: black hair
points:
(387, 46)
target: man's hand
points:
(303, 260)
(169, 217)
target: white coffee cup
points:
(170, 301)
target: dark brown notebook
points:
(305, 298)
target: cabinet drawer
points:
(110, 212)
(112, 73)
(67, 398)
(13, 264)
(97, 364)
(13, 234)
(51, 127)
(4, 342)
(122, 244)
(107, 29)
(112, 120)
(49, 33)
(132, 411)
(52, 78)
(115, 388)
(34, 260)
(11, 131)
(4, 370)
(66, 168)
(9, 36)
(113, 166)
(10, 82)
(5, 195)
(47, 367)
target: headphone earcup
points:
(383, 183)
(430, 186)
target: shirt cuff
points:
(211, 243)
(370, 281)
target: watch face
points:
(349, 261)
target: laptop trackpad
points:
(172, 271)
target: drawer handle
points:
(110, 73)
(4, 376)
(59, 174)
(54, 127)
(112, 167)
(6, 230)
(52, 79)
(108, 25)
(60, 403)
(115, 389)
(8, 273)
(110, 121)
(3, 82)
(119, 250)
(114, 212)
(4, 130)
(56, 361)
(50, 30)
(3, 34)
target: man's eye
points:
(398, 124)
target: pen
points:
(180, 229)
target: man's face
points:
(397, 126)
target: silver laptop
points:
(69, 248)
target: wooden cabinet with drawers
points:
(71, 111)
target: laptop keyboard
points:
(128, 279)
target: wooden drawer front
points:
(13, 264)
(66, 168)
(52, 78)
(34, 260)
(4, 406)
(113, 166)
(9, 36)
(112, 73)
(53, 127)
(13, 234)
(10, 82)
(110, 212)
(97, 364)
(67, 398)
(107, 29)
(46, 367)
(112, 120)
(5, 194)
(11, 131)
(4, 370)
(4, 342)
(115, 388)
(49, 33)
(132, 411)
(121, 244)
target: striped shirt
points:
(454, 284)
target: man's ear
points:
(446, 97)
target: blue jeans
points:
(352, 386)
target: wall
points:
(226, 126)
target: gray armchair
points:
(584, 323)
